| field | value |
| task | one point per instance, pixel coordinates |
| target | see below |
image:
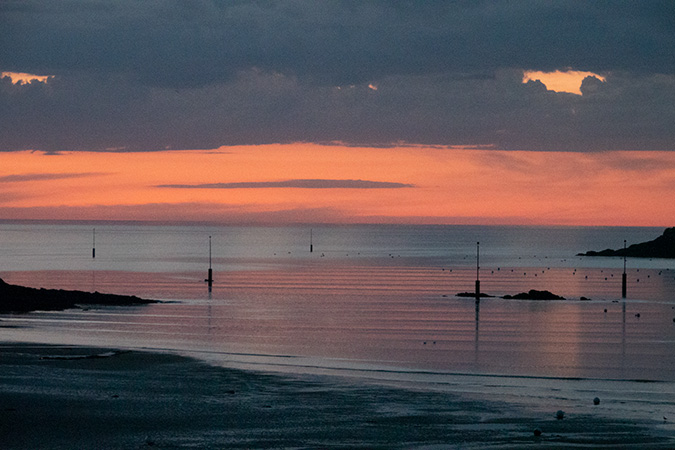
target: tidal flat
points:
(56, 397)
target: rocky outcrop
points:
(533, 294)
(661, 247)
(15, 298)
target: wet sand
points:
(72, 397)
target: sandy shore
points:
(64, 398)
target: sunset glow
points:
(25, 78)
(386, 224)
(378, 112)
(304, 183)
(561, 81)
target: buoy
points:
(209, 277)
(596, 401)
(560, 414)
(537, 432)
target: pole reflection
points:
(476, 348)
(623, 337)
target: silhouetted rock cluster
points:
(661, 247)
(533, 294)
(24, 299)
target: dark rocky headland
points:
(661, 247)
(22, 299)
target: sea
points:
(371, 302)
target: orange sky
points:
(561, 81)
(443, 186)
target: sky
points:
(509, 112)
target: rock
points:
(560, 414)
(661, 247)
(21, 299)
(537, 432)
(533, 294)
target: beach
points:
(58, 397)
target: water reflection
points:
(376, 314)
(623, 338)
(476, 349)
(209, 313)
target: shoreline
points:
(86, 397)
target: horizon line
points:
(216, 223)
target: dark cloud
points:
(187, 44)
(653, 164)
(300, 184)
(153, 75)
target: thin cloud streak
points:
(178, 213)
(296, 184)
(30, 177)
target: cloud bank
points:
(135, 76)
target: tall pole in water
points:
(311, 245)
(477, 271)
(209, 280)
(623, 277)
(93, 246)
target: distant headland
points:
(661, 247)
(20, 299)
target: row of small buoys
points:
(637, 315)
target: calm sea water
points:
(370, 301)
(367, 296)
